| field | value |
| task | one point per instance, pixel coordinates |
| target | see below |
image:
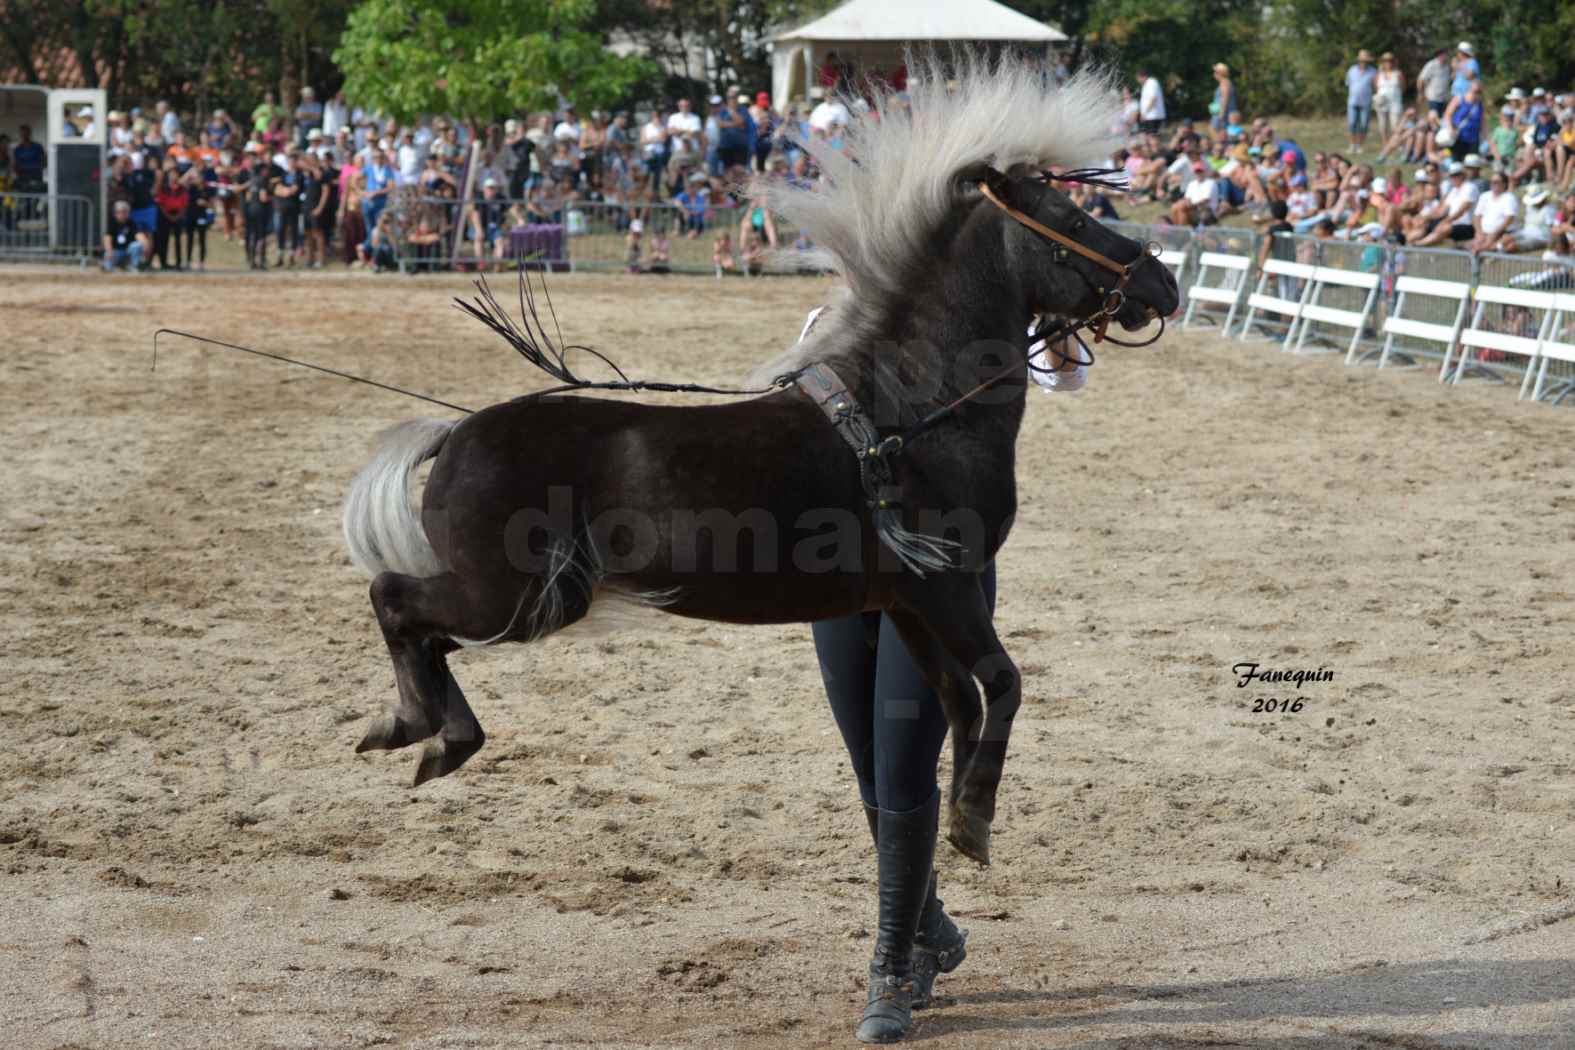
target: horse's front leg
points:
(955, 613)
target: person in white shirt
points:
(1536, 228)
(1459, 200)
(684, 134)
(830, 113)
(569, 130)
(335, 116)
(408, 159)
(1151, 103)
(1495, 215)
(1200, 201)
(169, 123)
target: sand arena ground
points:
(660, 845)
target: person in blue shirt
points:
(1360, 81)
(1467, 70)
(732, 149)
(380, 182)
(695, 200)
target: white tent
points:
(873, 33)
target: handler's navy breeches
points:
(889, 716)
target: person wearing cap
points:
(1225, 101)
(1460, 199)
(1200, 201)
(489, 225)
(1388, 96)
(1360, 81)
(1463, 118)
(1535, 232)
(765, 130)
(1466, 69)
(1539, 159)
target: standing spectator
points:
(683, 129)
(352, 224)
(171, 199)
(140, 184)
(1388, 98)
(308, 115)
(169, 123)
(1225, 101)
(28, 161)
(1467, 70)
(1151, 103)
(765, 130)
(123, 244)
(713, 136)
(379, 180)
(732, 146)
(653, 148)
(336, 116)
(489, 224)
(1360, 82)
(286, 191)
(1463, 120)
(220, 132)
(593, 145)
(315, 193)
(201, 182)
(256, 209)
(1434, 80)
(569, 131)
(265, 114)
(517, 153)
(829, 116)
(695, 200)
(408, 159)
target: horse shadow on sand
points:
(1337, 1011)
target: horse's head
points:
(1069, 263)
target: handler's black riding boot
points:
(905, 850)
(938, 945)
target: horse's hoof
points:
(969, 834)
(442, 756)
(390, 733)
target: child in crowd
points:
(722, 254)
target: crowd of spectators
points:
(331, 182)
(1441, 176)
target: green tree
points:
(479, 59)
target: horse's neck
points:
(972, 325)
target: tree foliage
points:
(479, 59)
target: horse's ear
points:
(1000, 184)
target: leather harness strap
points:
(854, 425)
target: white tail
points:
(381, 524)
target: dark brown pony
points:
(753, 512)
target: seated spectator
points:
(1200, 201)
(1459, 202)
(1536, 225)
(754, 255)
(1539, 159)
(722, 254)
(1496, 215)
(1093, 202)
(489, 223)
(632, 244)
(426, 244)
(1279, 213)
(757, 220)
(695, 201)
(661, 260)
(125, 247)
(1561, 244)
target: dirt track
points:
(661, 844)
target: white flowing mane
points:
(892, 184)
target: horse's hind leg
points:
(420, 618)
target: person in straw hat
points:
(1361, 81)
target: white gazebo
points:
(873, 33)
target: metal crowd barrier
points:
(1389, 263)
(43, 227)
(636, 237)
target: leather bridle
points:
(1114, 298)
